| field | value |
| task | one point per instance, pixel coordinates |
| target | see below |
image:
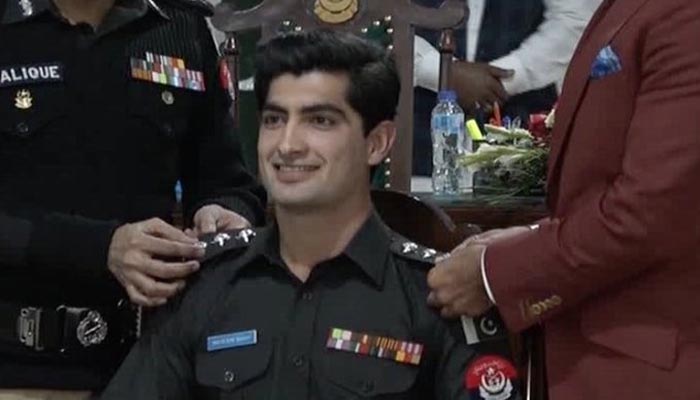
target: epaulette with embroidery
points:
(412, 251)
(217, 244)
(202, 6)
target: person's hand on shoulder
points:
(214, 218)
(456, 282)
(151, 259)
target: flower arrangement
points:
(511, 161)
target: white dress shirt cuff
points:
(426, 68)
(489, 293)
(519, 82)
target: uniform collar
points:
(21, 10)
(368, 249)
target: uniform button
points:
(307, 296)
(298, 361)
(168, 130)
(229, 376)
(167, 97)
(22, 129)
(367, 386)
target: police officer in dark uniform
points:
(104, 106)
(326, 303)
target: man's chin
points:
(302, 202)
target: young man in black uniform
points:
(104, 106)
(327, 303)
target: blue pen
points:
(506, 122)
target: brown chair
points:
(420, 221)
(394, 18)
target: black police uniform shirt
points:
(249, 329)
(89, 140)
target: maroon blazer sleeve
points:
(638, 222)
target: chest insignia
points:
(23, 100)
(375, 346)
(169, 71)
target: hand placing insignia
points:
(214, 218)
(137, 258)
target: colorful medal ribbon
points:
(375, 346)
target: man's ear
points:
(380, 140)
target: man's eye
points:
(322, 121)
(271, 120)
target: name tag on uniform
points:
(30, 74)
(375, 346)
(232, 340)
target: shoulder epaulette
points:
(217, 244)
(413, 251)
(202, 6)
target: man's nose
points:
(292, 141)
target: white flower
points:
(550, 120)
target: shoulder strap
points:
(224, 242)
(407, 249)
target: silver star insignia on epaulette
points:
(429, 253)
(220, 239)
(27, 7)
(246, 235)
(409, 247)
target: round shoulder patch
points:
(491, 377)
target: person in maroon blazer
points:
(614, 274)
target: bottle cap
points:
(447, 95)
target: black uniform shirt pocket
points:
(357, 376)
(233, 373)
(165, 109)
(30, 111)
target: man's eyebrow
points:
(274, 108)
(324, 107)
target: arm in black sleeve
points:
(453, 361)
(484, 368)
(160, 365)
(51, 241)
(212, 168)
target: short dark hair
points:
(374, 80)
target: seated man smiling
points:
(327, 302)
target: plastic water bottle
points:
(449, 143)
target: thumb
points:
(205, 222)
(435, 276)
(191, 233)
(501, 73)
